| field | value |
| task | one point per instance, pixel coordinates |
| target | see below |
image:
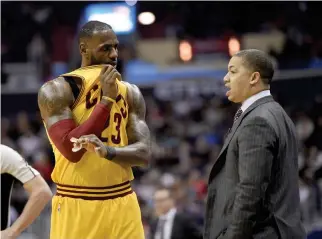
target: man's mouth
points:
(113, 63)
(228, 90)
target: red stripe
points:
(84, 187)
(86, 192)
(94, 198)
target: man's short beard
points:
(94, 61)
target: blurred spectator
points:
(304, 126)
(43, 166)
(5, 138)
(170, 223)
(28, 142)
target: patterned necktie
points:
(238, 114)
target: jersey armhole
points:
(76, 91)
(126, 89)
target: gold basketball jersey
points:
(91, 170)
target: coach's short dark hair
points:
(91, 27)
(258, 61)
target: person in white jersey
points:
(14, 167)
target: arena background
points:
(177, 52)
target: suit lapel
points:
(231, 134)
(240, 119)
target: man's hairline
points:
(248, 67)
(96, 32)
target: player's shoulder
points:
(134, 94)
(55, 93)
(132, 88)
(48, 87)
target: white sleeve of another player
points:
(14, 164)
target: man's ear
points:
(83, 48)
(255, 77)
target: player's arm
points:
(54, 101)
(39, 196)
(138, 152)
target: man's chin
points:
(233, 99)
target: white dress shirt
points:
(254, 98)
(169, 219)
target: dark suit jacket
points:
(253, 187)
(183, 228)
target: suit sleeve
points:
(256, 142)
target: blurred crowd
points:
(187, 133)
(48, 32)
(187, 137)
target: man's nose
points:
(113, 54)
(226, 78)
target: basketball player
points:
(94, 199)
(14, 167)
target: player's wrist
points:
(110, 152)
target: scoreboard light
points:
(120, 16)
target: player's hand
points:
(108, 78)
(7, 234)
(91, 143)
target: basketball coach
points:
(253, 189)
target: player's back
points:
(92, 173)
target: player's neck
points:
(84, 64)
